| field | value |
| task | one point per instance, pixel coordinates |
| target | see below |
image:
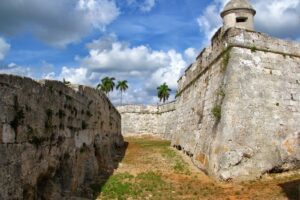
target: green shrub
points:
(253, 49)
(225, 61)
(216, 111)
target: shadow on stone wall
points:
(104, 176)
(56, 183)
(55, 139)
(291, 189)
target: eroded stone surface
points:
(156, 120)
(259, 125)
(55, 140)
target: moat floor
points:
(151, 169)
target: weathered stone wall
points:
(54, 140)
(140, 119)
(237, 114)
(251, 82)
(166, 120)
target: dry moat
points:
(151, 169)
(235, 120)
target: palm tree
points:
(122, 86)
(107, 85)
(163, 92)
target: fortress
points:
(237, 112)
(236, 115)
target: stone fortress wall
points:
(54, 139)
(237, 113)
(251, 81)
(150, 119)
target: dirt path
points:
(151, 169)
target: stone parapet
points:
(235, 37)
(167, 107)
(142, 109)
(141, 119)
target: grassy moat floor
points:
(151, 169)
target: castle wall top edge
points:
(235, 37)
(147, 109)
(42, 82)
(74, 89)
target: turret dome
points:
(237, 5)
(238, 14)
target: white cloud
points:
(133, 95)
(169, 73)
(99, 12)
(190, 54)
(280, 18)
(121, 57)
(144, 68)
(15, 69)
(56, 22)
(210, 20)
(50, 76)
(75, 75)
(145, 6)
(4, 48)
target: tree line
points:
(108, 84)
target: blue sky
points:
(146, 42)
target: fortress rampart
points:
(239, 102)
(55, 140)
(141, 119)
(237, 111)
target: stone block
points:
(8, 134)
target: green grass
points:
(119, 186)
(124, 185)
(179, 166)
(160, 173)
(168, 153)
(149, 181)
(153, 144)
